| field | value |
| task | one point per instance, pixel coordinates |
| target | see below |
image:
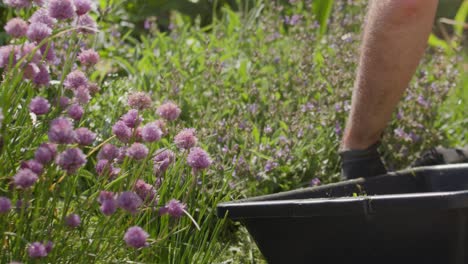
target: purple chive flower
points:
(61, 9)
(71, 160)
(42, 16)
(162, 160)
(136, 237)
(42, 78)
(186, 139)
(162, 125)
(108, 152)
(173, 208)
(315, 182)
(137, 151)
(108, 202)
(5, 205)
(75, 79)
(129, 201)
(131, 118)
(48, 51)
(87, 24)
(122, 153)
(39, 106)
(25, 178)
(7, 53)
(122, 131)
(139, 100)
(61, 131)
(33, 165)
(93, 88)
(82, 6)
(38, 32)
(105, 168)
(49, 246)
(28, 50)
(269, 166)
(64, 102)
(88, 57)
(75, 111)
(16, 27)
(30, 71)
(169, 111)
(151, 132)
(198, 159)
(73, 220)
(37, 250)
(82, 95)
(84, 136)
(146, 191)
(45, 153)
(17, 3)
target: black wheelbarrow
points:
(412, 216)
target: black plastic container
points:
(413, 216)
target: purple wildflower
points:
(108, 202)
(84, 136)
(39, 106)
(174, 208)
(88, 57)
(122, 131)
(37, 250)
(139, 100)
(136, 237)
(105, 168)
(48, 51)
(315, 182)
(82, 95)
(162, 160)
(269, 166)
(49, 246)
(73, 220)
(137, 151)
(61, 9)
(75, 111)
(162, 125)
(93, 88)
(129, 201)
(87, 24)
(76, 79)
(17, 3)
(5, 205)
(42, 16)
(146, 191)
(82, 6)
(29, 51)
(122, 153)
(7, 53)
(169, 111)
(38, 32)
(33, 165)
(16, 27)
(108, 152)
(186, 139)
(25, 178)
(45, 153)
(151, 132)
(131, 118)
(64, 102)
(198, 159)
(42, 78)
(71, 160)
(61, 131)
(30, 71)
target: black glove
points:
(362, 163)
(441, 155)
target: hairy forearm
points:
(394, 40)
